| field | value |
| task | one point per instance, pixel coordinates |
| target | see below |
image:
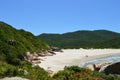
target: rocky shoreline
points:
(35, 59)
(71, 57)
(106, 67)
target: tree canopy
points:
(83, 39)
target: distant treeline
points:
(83, 39)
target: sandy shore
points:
(74, 57)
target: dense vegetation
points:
(14, 43)
(77, 73)
(13, 46)
(37, 73)
(25, 70)
(83, 39)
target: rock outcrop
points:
(106, 67)
(56, 49)
(98, 67)
(34, 57)
(113, 69)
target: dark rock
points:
(35, 58)
(11, 42)
(98, 67)
(113, 69)
(52, 52)
(56, 49)
(103, 68)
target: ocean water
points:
(112, 59)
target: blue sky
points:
(61, 16)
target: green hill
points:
(83, 39)
(14, 43)
(13, 46)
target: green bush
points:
(77, 73)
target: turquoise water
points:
(112, 59)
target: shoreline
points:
(92, 58)
(71, 57)
(99, 57)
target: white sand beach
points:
(74, 57)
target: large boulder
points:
(102, 69)
(56, 49)
(113, 68)
(32, 58)
(99, 66)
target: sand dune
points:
(74, 57)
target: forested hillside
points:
(83, 39)
(13, 46)
(15, 43)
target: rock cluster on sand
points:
(34, 57)
(113, 69)
(106, 67)
(98, 67)
(56, 49)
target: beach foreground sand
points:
(71, 57)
